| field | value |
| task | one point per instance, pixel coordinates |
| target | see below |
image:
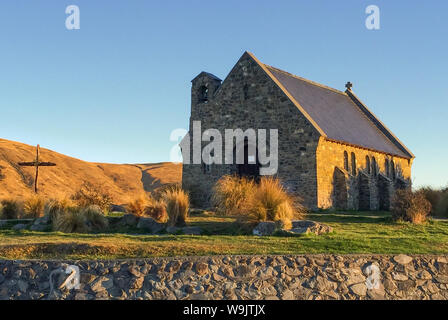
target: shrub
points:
(55, 207)
(157, 211)
(442, 207)
(177, 204)
(158, 193)
(34, 207)
(230, 194)
(71, 221)
(433, 196)
(138, 206)
(80, 220)
(271, 202)
(92, 194)
(411, 206)
(11, 209)
(95, 218)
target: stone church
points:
(333, 152)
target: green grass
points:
(354, 232)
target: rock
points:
(117, 208)
(201, 268)
(39, 227)
(441, 279)
(23, 286)
(45, 220)
(399, 276)
(402, 259)
(173, 230)
(136, 283)
(192, 231)
(307, 226)
(359, 289)
(129, 220)
(376, 294)
(265, 228)
(102, 284)
(424, 275)
(20, 226)
(150, 225)
(287, 295)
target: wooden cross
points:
(37, 164)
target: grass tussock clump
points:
(271, 202)
(34, 207)
(230, 195)
(410, 206)
(157, 211)
(137, 207)
(56, 207)
(177, 204)
(11, 209)
(148, 207)
(263, 201)
(90, 194)
(80, 220)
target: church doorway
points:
(250, 168)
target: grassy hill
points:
(124, 182)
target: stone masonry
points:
(298, 277)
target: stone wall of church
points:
(366, 189)
(248, 98)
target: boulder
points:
(192, 230)
(129, 220)
(307, 226)
(45, 220)
(20, 226)
(39, 227)
(265, 228)
(117, 208)
(172, 230)
(150, 225)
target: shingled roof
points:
(338, 116)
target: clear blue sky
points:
(115, 89)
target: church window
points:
(203, 94)
(392, 167)
(386, 166)
(346, 161)
(246, 92)
(374, 167)
(353, 164)
(368, 165)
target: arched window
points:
(353, 164)
(386, 166)
(246, 92)
(203, 94)
(374, 167)
(346, 161)
(392, 167)
(368, 164)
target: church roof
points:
(337, 115)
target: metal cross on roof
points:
(37, 164)
(349, 85)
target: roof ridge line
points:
(307, 80)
